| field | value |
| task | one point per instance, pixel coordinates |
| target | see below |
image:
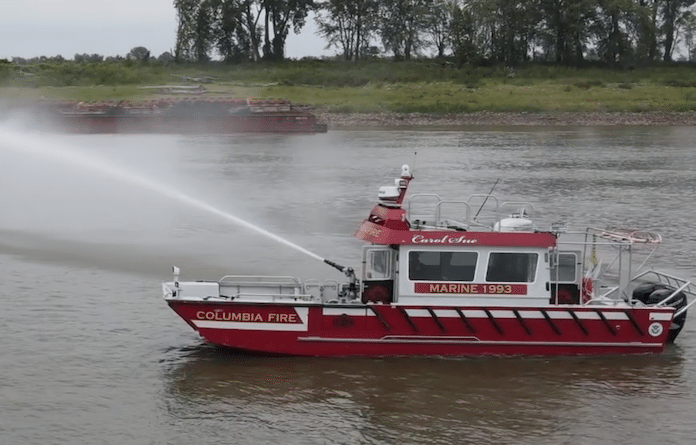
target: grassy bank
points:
(424, 86)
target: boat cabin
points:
(475, 252)
(422, 256)
(486, 275)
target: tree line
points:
(237, 29)
(471, 31)
(136, 54)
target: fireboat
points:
(439, 278)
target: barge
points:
(178, 116)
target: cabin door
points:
(565, 268)
(377, 284)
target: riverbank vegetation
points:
(404, 56)
(380, 85)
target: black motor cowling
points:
(652, 293)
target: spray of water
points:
(39, 146)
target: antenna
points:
(484, 201)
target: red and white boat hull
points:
(380, 330)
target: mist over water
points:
(45, 149)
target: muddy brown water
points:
(90, 353)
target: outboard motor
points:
(653, 293)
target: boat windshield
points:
(439, 266)
(512, 267)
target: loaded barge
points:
(178, 116)
(440, 278)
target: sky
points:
(32, 28)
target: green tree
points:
(279, 16)
(687, 22)
(204, 35)
(348, 25)
(468, 33)
(165, 57)
(512, 29)
(402, 23)
(231, 38)
(139, 53)
(93, 58)
(439, 24)
(646, 30)
(186, 11)
(670, 11)
(250, 11)
(564, 28)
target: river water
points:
(90, 225)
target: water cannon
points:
(350, 273)
(337, 266)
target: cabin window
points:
(563, 267)
(379, 264)
(442, 266)
(512, 267)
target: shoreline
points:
(390, 120)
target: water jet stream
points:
(38, 146)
